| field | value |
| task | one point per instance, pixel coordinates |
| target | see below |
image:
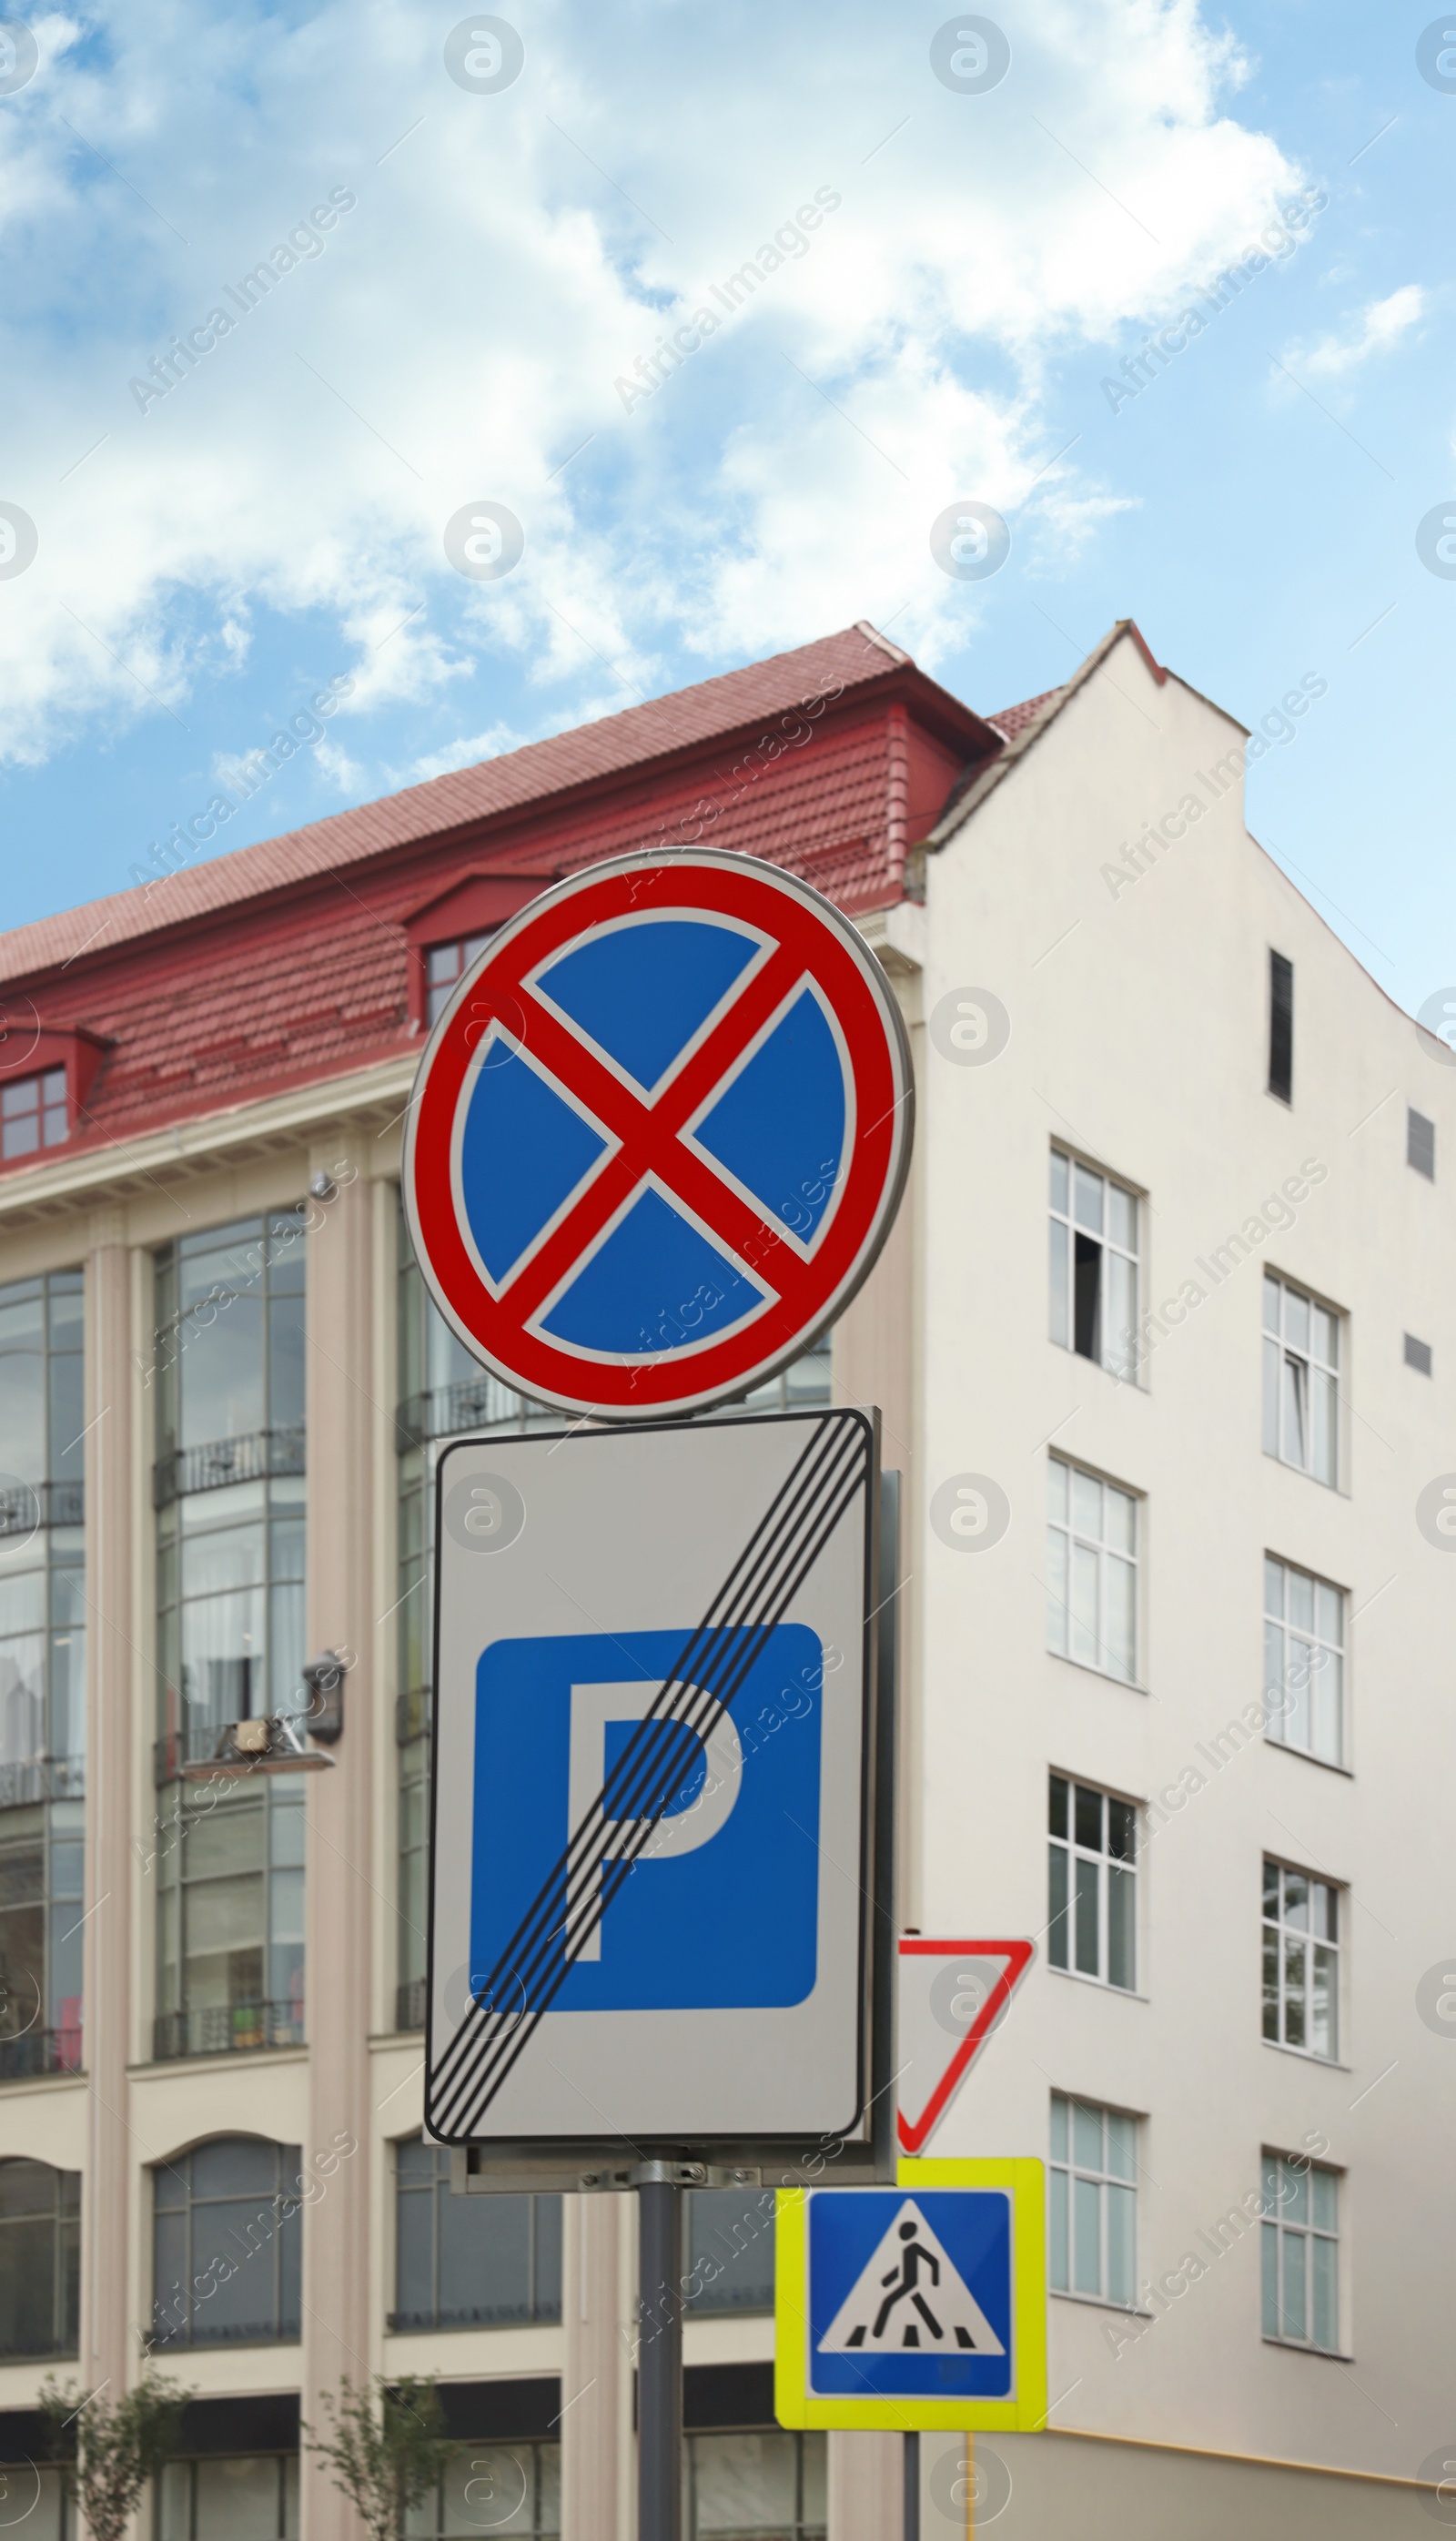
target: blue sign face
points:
(721, 1908)
(909, 2294)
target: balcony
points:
(261, 1455)
(25, 1507)
(226, 2029)
(40, 2051)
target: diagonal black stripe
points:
(571, 1876)
(622, 1785)
(494, 2055)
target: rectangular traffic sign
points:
(653, 1868)
(922, 2305)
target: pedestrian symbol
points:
(909, 2294)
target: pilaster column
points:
(108, 2353)
(340, 1608)
(591, 2385)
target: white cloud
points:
(1380, 325)
(459, 332)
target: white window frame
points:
(1304, 1663)
(1298, 1943)
(1301, 1379)
(1113, 2189)
(1080, 1555)
(1083, 1201)
(1113, 1875)
(1293, 2241)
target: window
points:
(514, 2489)
(1282, 1027)
(1417, 1355)
(239, 2497)
(1420, 1143)
(468, 2262)
(34, 1113)
(1304, 1661)
(804, 1383)
(1092, 1882)
(40, 2260)
(1301, 2254)
(43, 1673)
(1302, 1380)
(1093, 2223)
(229, 1492)
(1094, 1265)
(758, 2485)
(1301, 1961)
(227, 2235)
(444, 965)
(1091, 1570)
(730, 2250)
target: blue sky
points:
(206, 559)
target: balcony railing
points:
(226, 2029)
(409, 2003)
(259, 1456)
(475, 1403)
(40, 2051)
(25, 1507)
(42, 1778)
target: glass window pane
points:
(1121, 1511)
(1058, 1285)
(1089, 1818)
(1121, 2213)
(1086, 2136)
(1330, 1615)
(1323, 2002)
(1121, 1218)
(1326, 1737)
(1056, 1803)
(1296, 1900)
(1271, 1984)
(1058, 2126)
(1122, 1830)
(1057, 1938)
(1323, 1337)
(1271, 1357)
(1059, 1182)
(1058, 1613)
(1293, 1444)
(1120, 1321)
(1271, 1303)
(1056, 1474)
(1324, 1450)
(1294, 1993)
(1296, 1320)
(1301, 1600)
(1322, 2200)
(1086, 2236)
(1275, 1697)
(1086, 1644)
(744, 2484)
(1119, 1926)
(1086, 1911)
(1088, 1194)
(1325, 2321)
(1293, 2193)
(238, 2501)
(1058, 2193)
(1086, 1505)
(730, 2250)
(1269, 2236)
(1122, 2139)
(1273, 1586)
(1119, 1623)
(1295, 2320)
(489, 2488)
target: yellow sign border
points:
(793, 2403)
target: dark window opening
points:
(1282, 1027)
(1420, 1143)
(40, 2260)
(1087, 1298)
(1417, 1355)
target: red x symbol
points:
(650, 1137)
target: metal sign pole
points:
(913, 2487)
(660, 2359)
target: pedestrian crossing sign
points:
(921, 2305)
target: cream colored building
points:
(1161, 1347)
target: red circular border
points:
(494, 989)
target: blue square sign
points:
(720, 1909)
(911, 2294)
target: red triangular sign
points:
(952, 1996)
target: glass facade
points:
(227, 2245)
(513, 2490)
(469, 2262)
(229, 1490)
(234, 2497)
(42, 1672)
(40, 2260)
(760, 2486)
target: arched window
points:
(227, 2244)
(39, 2259)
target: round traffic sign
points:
(659, 1133)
